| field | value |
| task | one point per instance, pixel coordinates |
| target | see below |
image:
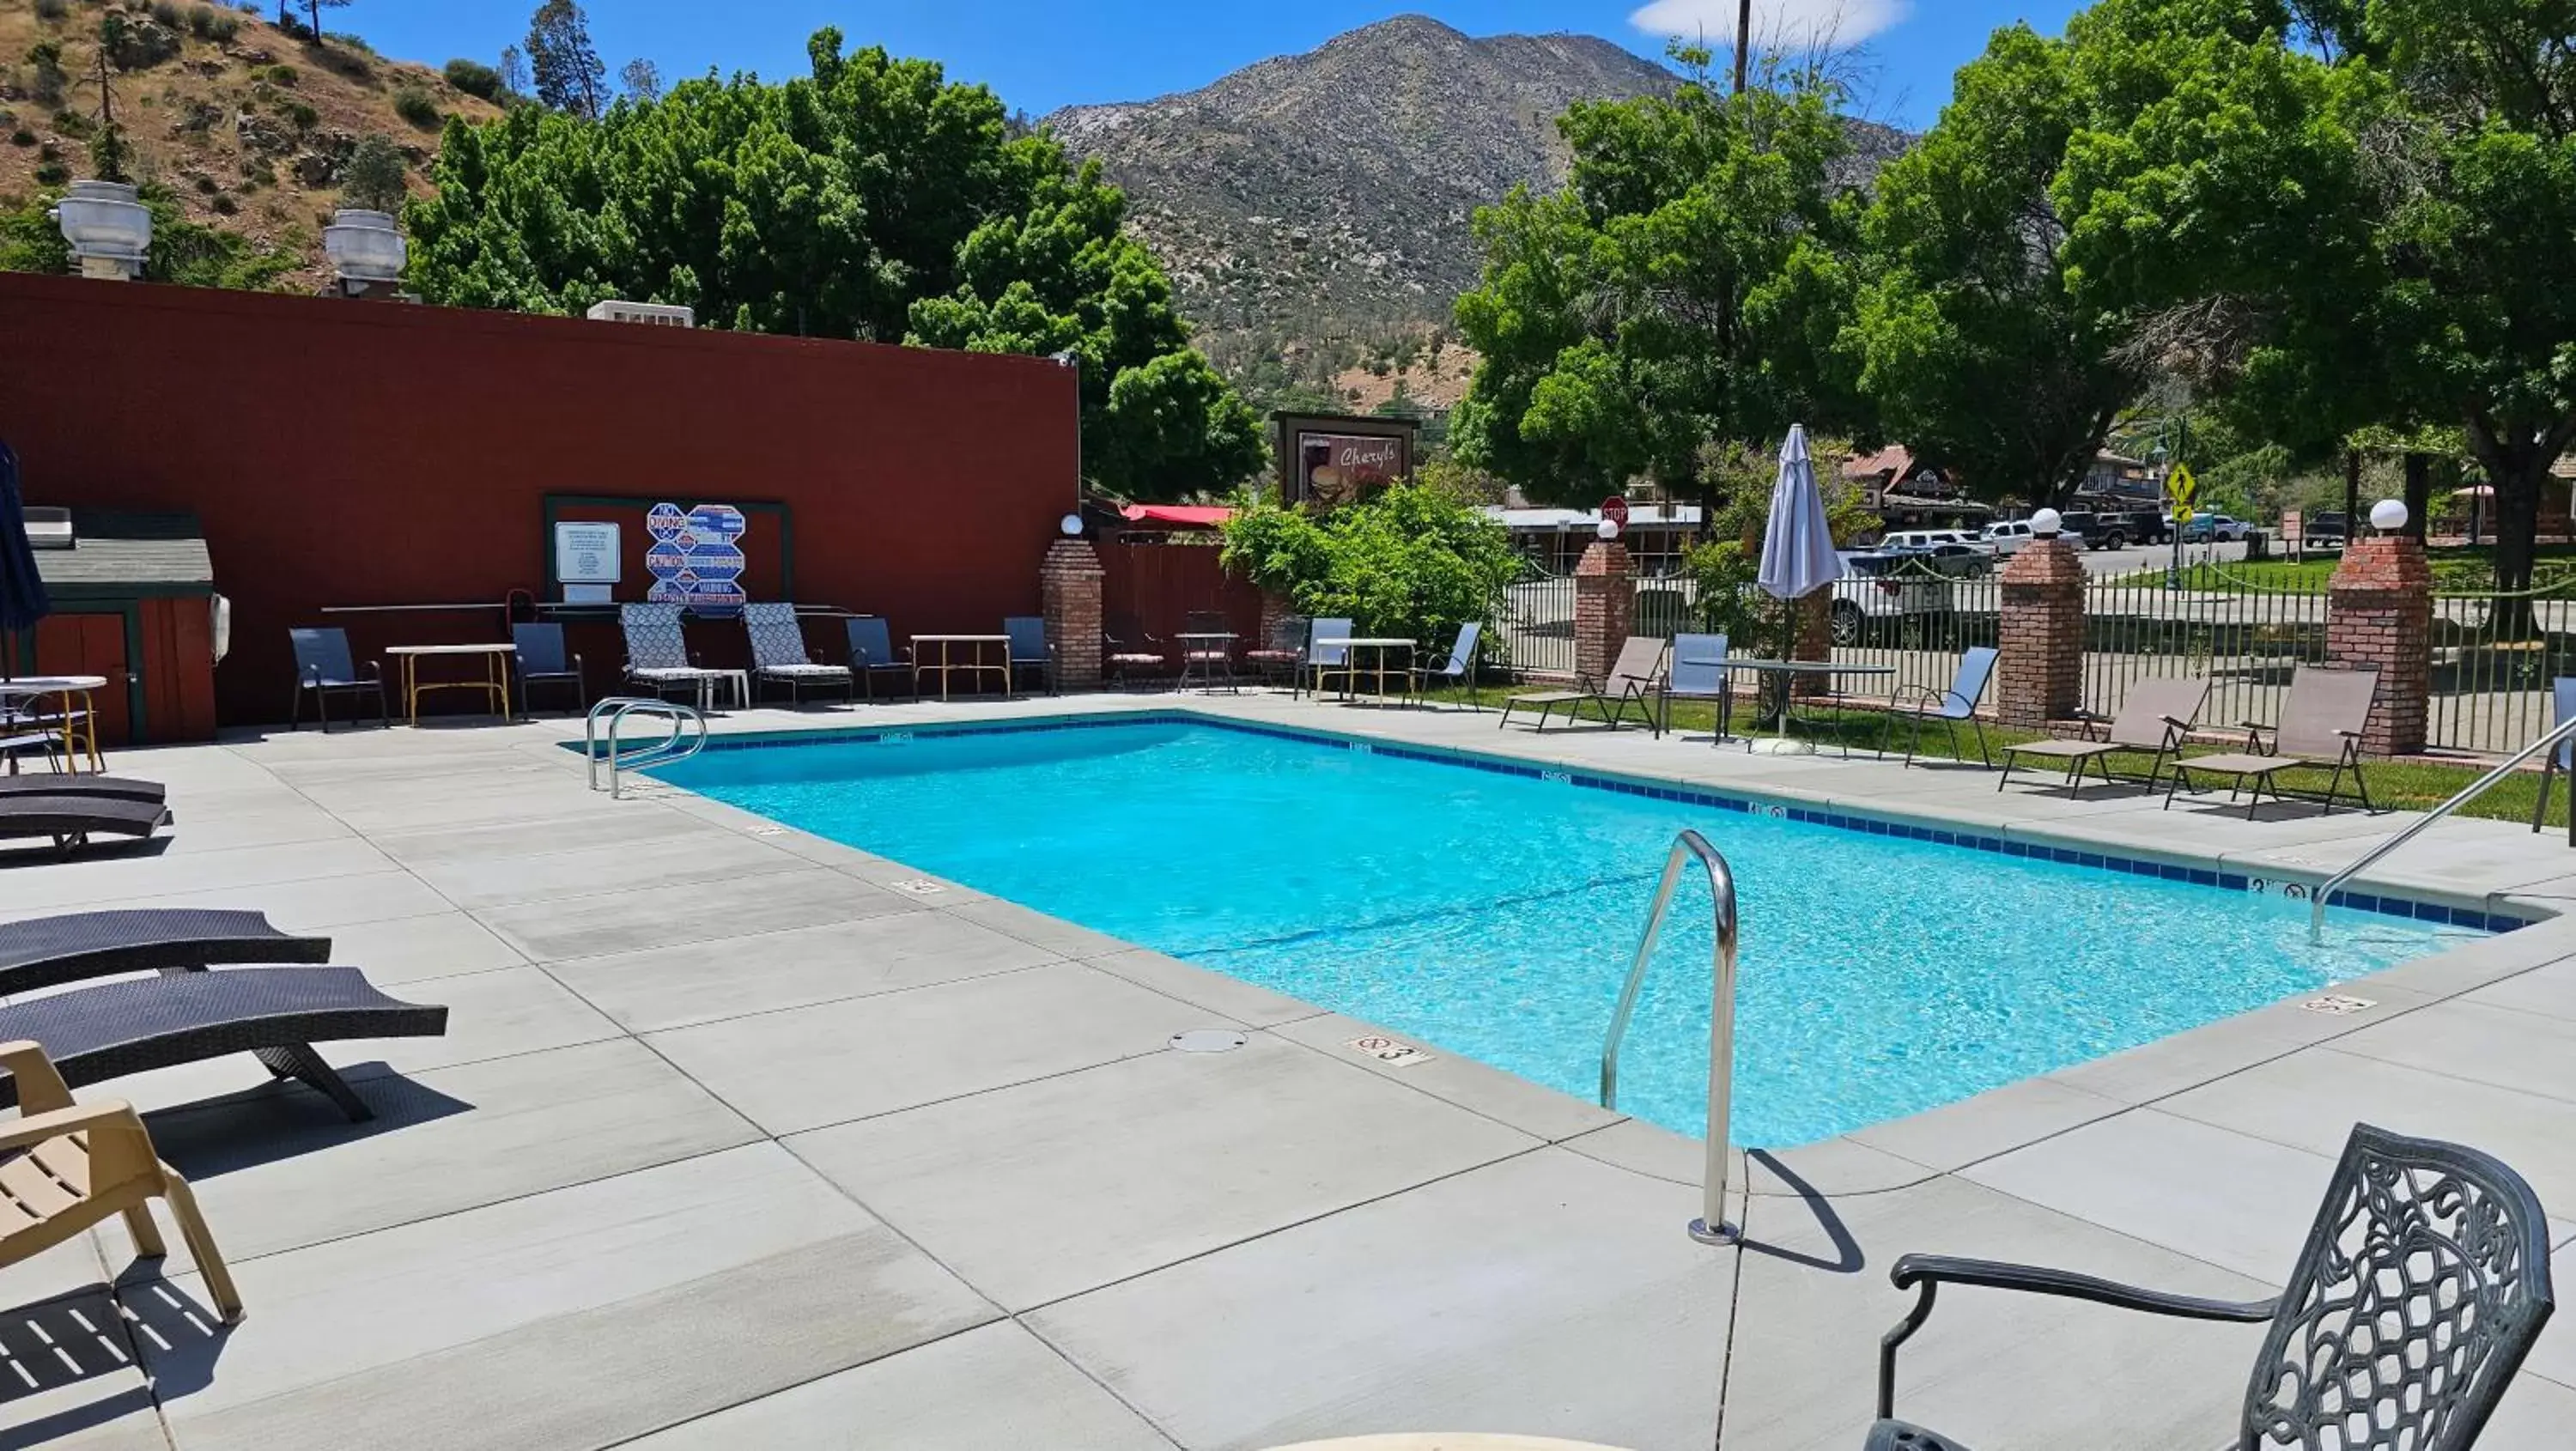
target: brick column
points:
(1069, 585)
(1811, 620)
(1605, 601)
(2040, 677)
(2379, 615)
(1274, 608)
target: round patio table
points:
(1378, 671)
(1776, 674)
(1204, 653)
(79, 722)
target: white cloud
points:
(1790, 24)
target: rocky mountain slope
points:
(247, 125)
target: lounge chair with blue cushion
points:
(1460, 668)
(1951, 706)
(657, 652)
(872, 651)
(778, 653)
(537, 653)
(323, 669)
(1030, 650)
(1697, 671)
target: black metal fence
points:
(2247, 640)
(2494, 656)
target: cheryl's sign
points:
(1328, 461)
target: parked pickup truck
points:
(2107, 530)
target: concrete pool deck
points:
(741, 1138)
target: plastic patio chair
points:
(2321, 723)
(1030, 650)
(538, 656)
(1696, 673)
(872, 650)
(76, 1165)
(2422, 1285)
(1459, 669)
(323, 668)
(1951, 706)
(2562, 697)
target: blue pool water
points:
(1493, 915)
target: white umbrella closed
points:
(1798, 555)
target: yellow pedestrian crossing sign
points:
(2181, 487)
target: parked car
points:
(1933, 539)
(2206, 527)
(1959, 560)
(2113, 530)
(2327, 530)
(2010, 537)
(1881, 586)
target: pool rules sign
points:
(696, 558)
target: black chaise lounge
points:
(45, 952)
(72, 820)
(97, 1033)
(2421, 1287)
(65, 783)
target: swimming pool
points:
(1492, 912)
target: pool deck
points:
(740, 1138)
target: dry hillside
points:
(247, 125)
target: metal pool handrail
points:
(2476, 788)
(617, 708)
(1711, 1227)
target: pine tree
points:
(514, 74)
(570, 76)
(642, 80)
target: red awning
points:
(1187, 516)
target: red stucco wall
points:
(348, 453)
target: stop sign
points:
(1615, 509)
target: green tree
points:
(375, 175)
(1688, 285)
(641, 79)
(570, 76)
(183, 252)
(1413, 561)
(873, 200)
(1972, 346)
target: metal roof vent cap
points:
(364, 246)
(110, 232)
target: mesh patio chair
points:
(2156, 716)
(657, 652)
(539, 658)
(778, 653)
(1459, 669)
(872, 651)
(1635, 677)
(1030, 650)
(1126, 651)
(2321, 723)
(1325, 661)
(2562, 761)
(1283, 655)
(1951, 706)
(72, 1165)
(2422, 1285)
(323, 669)
(1696, 672)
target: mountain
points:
(247, 125)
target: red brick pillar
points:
(1274, 608)
(2379, 615)
(1811, 619)
(1069, 586)
(1605, 600)
(2040, 677)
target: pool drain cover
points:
(1209, 1040)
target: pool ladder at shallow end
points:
(617, 708)
(1712, 1226)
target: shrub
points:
(207, 23)
(52, 9)
(169, 13)
(73, 124)
(279, 75)
(474, 78)
(339, 56)
(415, 106)
(52, 173)
(22, 137)
(225, 206)
(207, 184)
(46, 79)
(1411, 561)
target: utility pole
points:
(1743, 41)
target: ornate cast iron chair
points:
(2422, 1285)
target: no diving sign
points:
(1393, 1052)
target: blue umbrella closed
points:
(1798, 555)
(22, 589)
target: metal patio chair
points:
(323, 669)
(1459, 669)
(2562, 697)
(778, 653)
(1697, 672)
(1283, 654)
(2156, 716)
(1210, 660)
(2321, 723)
(1325, 661)
(2422, 1285)
(1127, 651)
(872, 650)
(1636, 676)
(657, 652)
(1030, 650)
(1951, 706)
(538, 655)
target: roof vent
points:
(656, 314)
(49, 528)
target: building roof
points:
(1559, 521)
(1895, 461)
(110, 548)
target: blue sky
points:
(1041, 54)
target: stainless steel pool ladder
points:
(2479, 787)
(617, 708)
(1711, 1227)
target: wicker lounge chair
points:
(2321, 724)
(1636, 676)
(1951, 706)
(73, 1165)
(323, 669)
(2156, 716)
(64, 783)
(1460, 668)
(97, 1033)
(2562, 694)
(2422, 1285)
(538, 656)
(70, 821)
(1030, 650)
(1126, 651)
(44, 952)
(778, 653)
(657, 652)
(872, 650)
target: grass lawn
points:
(2457, 569)
(2407, 785)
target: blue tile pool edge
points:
(1654, 788)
